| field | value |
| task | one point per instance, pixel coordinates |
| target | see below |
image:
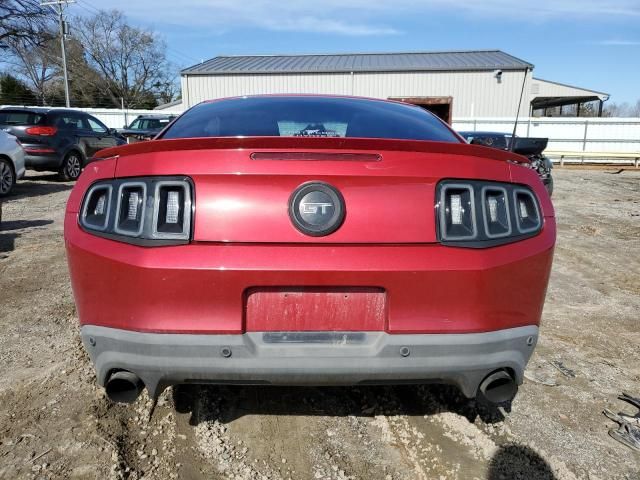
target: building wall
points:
(475, 94)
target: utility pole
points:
(60, 10)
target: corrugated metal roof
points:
(359, 62)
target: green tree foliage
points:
(15, 92)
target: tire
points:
(7, 177)
(549, 185)
(71, 166)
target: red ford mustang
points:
(309, 240)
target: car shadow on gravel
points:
(20, 224)
(8, 240)
(362, 401)
(36, 185)
(7, 243)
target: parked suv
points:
(145, 127)
(57, 139)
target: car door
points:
(102, 138)
(71, 132)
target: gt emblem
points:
(316, 209)
(313, 208)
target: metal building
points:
(483, 83)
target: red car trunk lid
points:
(243, 195)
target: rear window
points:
(20, 117)
(309, 117)
(149, 123)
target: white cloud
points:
(355, 17)
(530, 9)
(617, 43)
(333, 17)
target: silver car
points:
(11, 162)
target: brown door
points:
(439, 106)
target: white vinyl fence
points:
(578, 134)
(119, 118)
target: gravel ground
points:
(55, 423)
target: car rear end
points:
(37, 134)
(12, 166)
(309, 261)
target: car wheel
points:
(7, 177)
(549, 185)
(71, 167)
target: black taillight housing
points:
(172, 210)
(146, 211)
(96, 207)
(130, 209)
(480, 214)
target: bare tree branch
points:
(130, 60)
(22, 19)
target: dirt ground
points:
(55, 423)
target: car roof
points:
(43, 110)
(152, 117)
(26, 109)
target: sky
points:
(593, 44)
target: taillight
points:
(172, 210)
(458, 219)
(478, 214)
(527, 211)
(132, 200)
(148, 211)
(96, 207)
(41, 131)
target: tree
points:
(15, 92)
(37, 64)
(167, 89)
(130, 60)
(22, 19)
(624, 109)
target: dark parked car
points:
(57, 139)
(531, 147)
(145, 127)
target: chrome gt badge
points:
(316, 209)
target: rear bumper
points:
(43, 161)
(201, 288)
(309, 358)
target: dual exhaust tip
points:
(123, 387)
(498, 388)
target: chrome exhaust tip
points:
(123, 387)
(498, 388)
